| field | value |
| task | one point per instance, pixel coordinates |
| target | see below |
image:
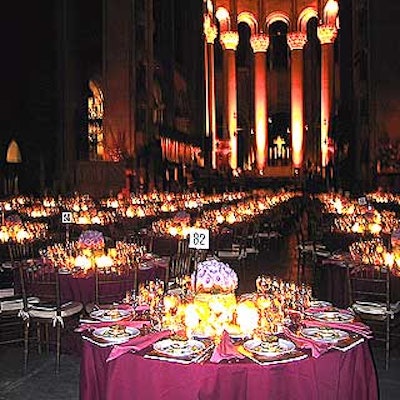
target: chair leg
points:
(39, 337)
(387, 344)
(58, 348)
(26, 345)
(47, 338)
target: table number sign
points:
(199, 239)
(66, 217)
(362, 201)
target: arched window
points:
(95, 122)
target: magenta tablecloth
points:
(335, 375)
(82, 288)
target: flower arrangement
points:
(214, 276)
(91, 240)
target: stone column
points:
(229, 41)
(210, 33)
(296, 42)
(259, 44)
(327, 35)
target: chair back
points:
(111, 286)
(40, 281)
(369, 283)
(179, 266)
(21, 251)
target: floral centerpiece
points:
(91, 240)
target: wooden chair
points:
(180, 265)
(50, 312)
(12, 326)
(21, 251)
(370, 296)
(111, 287)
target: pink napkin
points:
(225, 350)
(317, 348)
(311, 310)
(137, 344)
(95, 325)
(356, 327)
(143, 307)
(126, 306)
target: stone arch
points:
(304, 16)
(276, 16)
(249, 19)
(224, 19)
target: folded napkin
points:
(225, 350)
(125, 306)
(356, 327)
(137, 344)
(142, 307)
(317, 348)
(312, 310)
(99, 324)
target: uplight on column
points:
(230, 41)
(296, 42)
(259, 44)
(327, 35)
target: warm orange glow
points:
(249, 19)
(305, 16)
(277, 16)
(222, 15)
(229, 42)
(296, 42)
(213, 121)
(326, 35)
(331, 11)
(232, 107)
(260, 92)
(210, 30)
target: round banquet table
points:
(82, 287)
(335, 375)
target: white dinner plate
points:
(332, 316)
(320, 304)
(145, 266)
(109, 315)
(325, 335)
(179, 348)
(108, 334)
(268, 349)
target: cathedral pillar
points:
(210, 33)
(327, 35)
(229, 41)
(296, 42)
(259, 44)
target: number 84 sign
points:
(199, 239)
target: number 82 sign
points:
(199, 239)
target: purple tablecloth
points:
(82, 288)
(335, 375)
